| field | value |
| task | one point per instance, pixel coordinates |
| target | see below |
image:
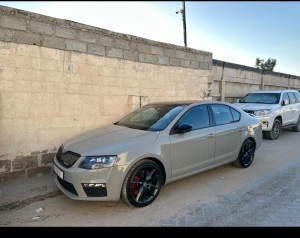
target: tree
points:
(267, 65)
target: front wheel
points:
(142, 184)
(275, 132)
(246, 154)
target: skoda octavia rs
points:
(152, 146)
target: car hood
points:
(255, 106)
(109, 140)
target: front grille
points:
(67, 159)
(68, 186)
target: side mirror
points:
(284, 102)
(182, 128)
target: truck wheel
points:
(297, 127)
(275, 132)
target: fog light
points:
(94, 185)
(95, 189)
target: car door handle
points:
(240, 129)
(210, 134)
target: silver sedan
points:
(152, 146)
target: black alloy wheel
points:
(142, 183)
(246, 154)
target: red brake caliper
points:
(134, 186)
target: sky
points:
(236, 32)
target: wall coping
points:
(20, 26)
(252, 69)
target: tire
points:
(275, 132)
(142, 183)
(297, 127)
(246, 154)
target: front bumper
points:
(93, 185)
(267, 122)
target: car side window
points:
(292, 98)
(236, 115)
(297, 95)
(197, 117)
(285, 97)
(222, 114)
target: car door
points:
(195, 149)
(286, 113)
(229, 129)
(294, 109)
(297, 95)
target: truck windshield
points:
(264, 98)
(152, 117)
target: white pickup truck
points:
(275, 109)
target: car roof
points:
(188, 102)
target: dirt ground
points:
(265, 194)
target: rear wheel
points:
(275, 132)
(297, 127)
(142, 184)
(246, 154)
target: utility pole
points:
(182, 11)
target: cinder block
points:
(180, 54)
(208, 59)
(6, 35)
(27, 38)
(96, 49)
(35, 172)
(203, 65)
(75, 45)
(53, 42)
(89, 37)
(170, 53)
(104, 40)
(13, 23)
(114, 52)
(11, 176)
(157, 50)
(65, 32)
(147, 58)
(131, 55)
(163, 60)
(123, 44)
(5, 166)
(185, 63)
(41, 27)
(47, 158)
(143, 48)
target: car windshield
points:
(265, 98)
(152, 117)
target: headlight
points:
(98, 162)
(262, 112)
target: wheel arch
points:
(279, 117)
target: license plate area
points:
(59, 172)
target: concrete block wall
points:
(59, 78)
(231, 81)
